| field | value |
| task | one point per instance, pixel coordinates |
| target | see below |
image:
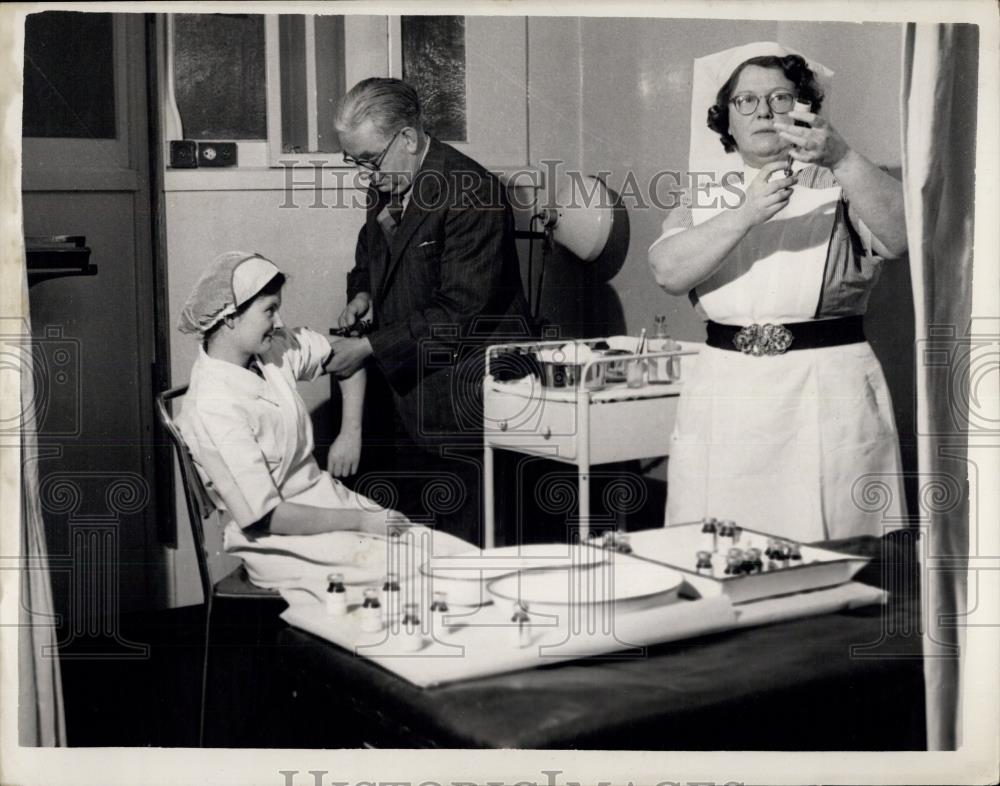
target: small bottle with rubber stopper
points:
(371, 612)
(336, 595)
(411, 638)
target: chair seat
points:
(238, 585)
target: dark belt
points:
(771, 339)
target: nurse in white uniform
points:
(251, 438)
(785, 423)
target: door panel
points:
(96, 337)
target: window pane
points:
(330, 78)
(219, 75)
(329, 67)
(434, 63)
(294, 118)
(69, 83)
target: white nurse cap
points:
(711, 73)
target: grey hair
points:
(391, 104)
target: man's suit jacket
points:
(447, 285)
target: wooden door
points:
(86, 164)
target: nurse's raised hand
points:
(764, 197)
(817, 142)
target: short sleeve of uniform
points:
(678, 219)
(224, 446)
(820, 177)
(305, 350)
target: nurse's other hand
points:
(355, 310)
(345, 454)
(765, 197)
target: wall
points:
(603, 94)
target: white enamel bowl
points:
(629, 585)
(464, 576)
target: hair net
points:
(710, 74)
(230, 280)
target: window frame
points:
(103, 156)
(491, 145)
(375, 60)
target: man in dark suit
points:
(436, 269)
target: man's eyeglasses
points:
(371, 164)
(780, 101)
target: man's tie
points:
(391, 216)
(395, 208)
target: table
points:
(575, 425)
(849, 681)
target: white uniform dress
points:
(802, 444)
(251, 439)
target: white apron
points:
(802, 445)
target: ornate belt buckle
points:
(764, 339)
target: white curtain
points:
(40, 701)
(939, 101)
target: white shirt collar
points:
(406, 196)
(242, 379)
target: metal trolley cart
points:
(584, 413)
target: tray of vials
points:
(722, 558)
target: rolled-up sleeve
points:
(231, 461)
(305, 350)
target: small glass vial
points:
(709, 535)
(336, 595)
(439, 608)
(704, 564)
(371, 612)
(658, 371)
(795, 552)
(609, 540)
(635, 373)
(735, 532)
(622, 544)
(725, 529)
(734, 562)
(390, 599)
(411, 638)
(663, 370)
(521, 622)
(756, 563)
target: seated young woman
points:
(251, 438)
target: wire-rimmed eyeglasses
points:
(780, 101)
(371, 165)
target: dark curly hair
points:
(794, 68)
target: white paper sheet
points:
(482, 643)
